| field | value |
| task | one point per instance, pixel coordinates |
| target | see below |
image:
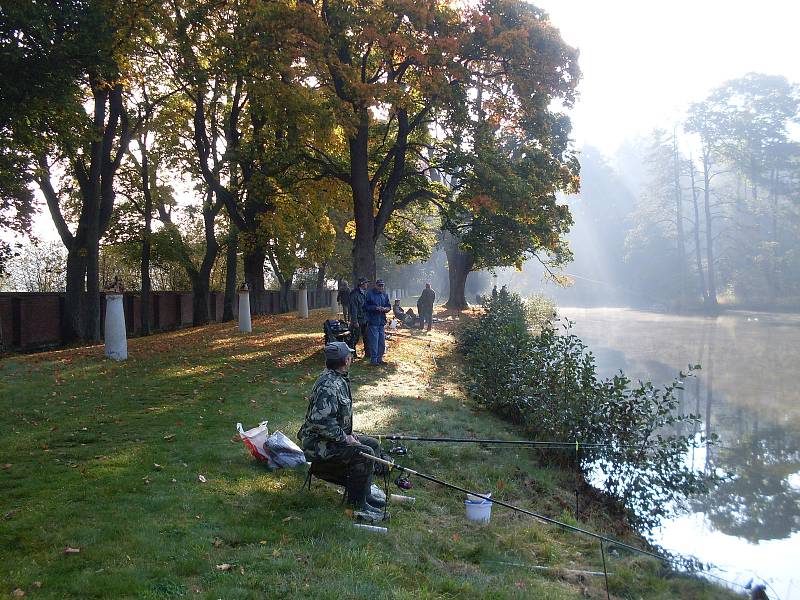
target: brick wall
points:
(33, 321)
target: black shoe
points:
(383, 363)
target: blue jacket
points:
(376, 299)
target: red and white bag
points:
(254, 439)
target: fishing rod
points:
(576, 445)
(544, 518)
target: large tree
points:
(397, 72)
(80, 134)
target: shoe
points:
(375, 502)
(370, 514)
(383, 363)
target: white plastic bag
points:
(255, 439)
(284, 452)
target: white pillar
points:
(302, 303)
(245, 324)
(334, 303)
(116, 341)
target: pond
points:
(748, 393)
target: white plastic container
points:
(480, 512)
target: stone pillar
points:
(245, 324)
(334, 303)
(116, 341)
(302, 303)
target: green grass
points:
(80, 438)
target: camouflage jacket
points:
(358, 299)
(329, 418)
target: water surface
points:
(748, 393)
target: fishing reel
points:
(398, 450)
(403, 482)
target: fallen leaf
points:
(169, 438)
(263, 542)
(201, 479)
(10, 514)
(7, 466)
(501, 485)
(291, 518)
(276, 553)
(217, 543)
(157, 466)
(71, 550)
(37, 584)
(241, 570)
(224, 567)
(456, 537)
(18, 593)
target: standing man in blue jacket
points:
(377, 305)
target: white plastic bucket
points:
(480, 512)
(474, 498)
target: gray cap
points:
(337, 351)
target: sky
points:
(645, 61)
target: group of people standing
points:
(366, 311)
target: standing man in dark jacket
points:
(377, 306)
(343, 298)
(358, 314)
(425, 305)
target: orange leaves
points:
(483, 202)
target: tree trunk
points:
(200, 294)
(712, 285)
(254, 276)
(231, 266)
(679, 223)
(320, 289)
(73, 328)
(286, 289)
(363, 211)
(144, 305)
(698, 250)
(459, 266)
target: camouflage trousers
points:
(350, 469)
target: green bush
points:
(547, 382)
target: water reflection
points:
(758, 502)
(747, 395)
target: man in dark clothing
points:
(327, 439)
(377, 306)
(425, 305)
(358, 314)
(343, 298)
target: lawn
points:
(101, 465)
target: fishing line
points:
(597, 536)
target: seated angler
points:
(327, 435)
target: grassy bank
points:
(106, 458)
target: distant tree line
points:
(303, 139)
(701, 214)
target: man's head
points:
(427, 286)
(363, 282)
(380, 285)
(397, 301)
(338, 356)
